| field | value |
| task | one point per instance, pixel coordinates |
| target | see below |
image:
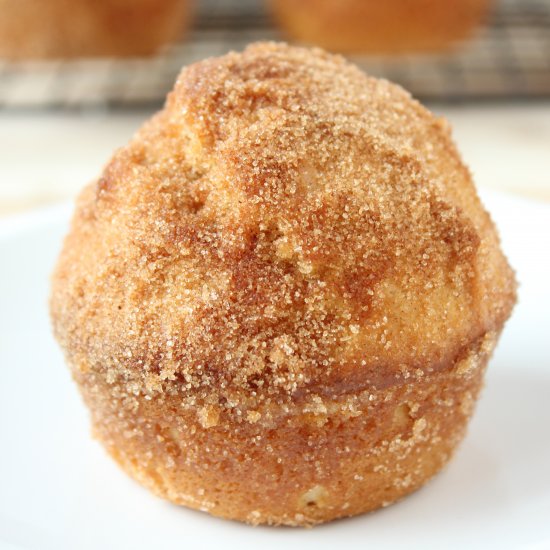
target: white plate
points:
(58, 489)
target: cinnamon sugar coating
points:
(290, 251)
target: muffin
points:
(371, 26)
(37, 29)
(279, 299)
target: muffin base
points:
(61, 29)
(380, 27)
(322, 459)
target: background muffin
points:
(35, 29)
(279, 299)
(371, 26)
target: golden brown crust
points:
(319, 461)
(286, 234)
(371, 26)
(37, 29)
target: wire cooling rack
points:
(510, 57)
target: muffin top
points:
(286, 228)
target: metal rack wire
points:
(508, 58)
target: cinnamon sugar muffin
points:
(371, 26)
(279, 299)
(38, 29)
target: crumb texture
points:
(290, 251)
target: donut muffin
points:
(39, 29)
(279, 299)
(372, 26)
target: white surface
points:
(48, 156)
(58, 489)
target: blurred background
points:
(78, 77)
